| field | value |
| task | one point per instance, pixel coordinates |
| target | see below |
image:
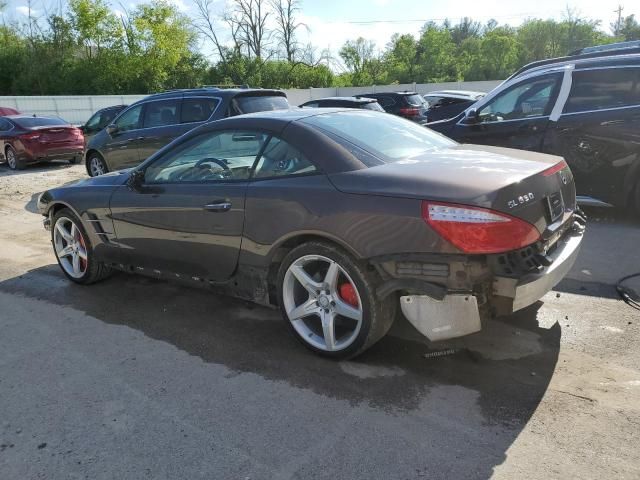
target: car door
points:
(121, 148)
(186, 215)
(598, 132)
(517, 117)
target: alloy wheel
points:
(11, 158)
(97, 167)
(322, 303)
(70, 247)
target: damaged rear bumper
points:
(458, 313)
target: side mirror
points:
(472, 116)
(136, 179)
(112, 128)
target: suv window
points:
(257, 103)
(524, 100)
(603, 88)
(161, 113)
(130, 120)
(209, 157)
(280, 159)
(386, 101)
(197, 109)
(414, 100)
(100, 120)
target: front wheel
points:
(74, 251)
(328, 300)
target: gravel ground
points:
(137, 378)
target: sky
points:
(331, 22)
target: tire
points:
(14, 162)
(350, 336)
(96, 165)
(75, 240)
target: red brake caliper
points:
(83, 262)
(348, 294)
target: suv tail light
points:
(409, 112)
(29, 136)
(478, 230)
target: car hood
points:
(114, 179)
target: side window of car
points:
(197, 109)
(311, 105)
(209, 157)
(529, 99)
(106, 118)
(161, 113)
(130, 120)
(603, 88)
(93, 123)
(281, 159)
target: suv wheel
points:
(96, 165)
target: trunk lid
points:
(57, 134)
(506, 180)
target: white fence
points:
(77, 109)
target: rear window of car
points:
(31, 122)
(390, 138)
(415, 100)
(258, 103)
(373, 106)
(603, 88)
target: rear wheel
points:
(328, 300)
(74, 251)
(96, 165)
(13, 161)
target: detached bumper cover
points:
(528, 289)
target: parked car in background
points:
(408, 105)
(345, 102)
(26, 139)
(337, 216)
(99, 120)
(148, 125)
(4, 111)
(585, 108)
(449, 103)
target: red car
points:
(4, 111)
(26, 139)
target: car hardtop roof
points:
(345, 99)
(456, 93)
(213, 90)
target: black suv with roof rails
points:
(584, 107)
(408, 105)
(153, 122)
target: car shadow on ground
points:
(507, 367)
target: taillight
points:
(555, 169)
(478, 230)
(409, 112)
(29, 136)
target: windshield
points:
(260, 103)
(31, 122)
(388, 137)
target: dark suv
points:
(150, 124)
(408, 105)
(585, 108)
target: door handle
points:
(222, 206)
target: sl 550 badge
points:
(527, 197)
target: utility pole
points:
(619, 21)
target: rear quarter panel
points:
(366, 225)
